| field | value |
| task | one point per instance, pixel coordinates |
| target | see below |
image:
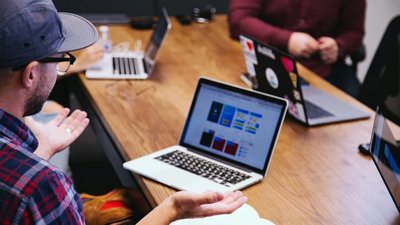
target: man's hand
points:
(329, 50)
(183, 204)
(191, 205)
(58, 133)
(302, 45)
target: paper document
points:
(245, 215)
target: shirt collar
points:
(17, 131)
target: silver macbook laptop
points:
(273, 71)
(385, 152)
(133, 65)
(226, 144)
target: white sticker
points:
(300, 111)
(272, 78)
(296, 95)
(292, 107)
(248, 50)
(250, 68)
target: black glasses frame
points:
(71, 59)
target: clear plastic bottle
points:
(105, 39)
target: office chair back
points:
(381, 86)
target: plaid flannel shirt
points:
(32, 191)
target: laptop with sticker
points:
(273, 71)
(133, 64)
(227, 141)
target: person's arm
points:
(58, 133)
(245, 18)
(54, 201)
(350, 32)
(184, 204)
(351, 26)
(87, 58)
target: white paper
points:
(245, 215)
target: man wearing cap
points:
(35, 41)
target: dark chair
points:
(381, 86)
(344, 73)
(357, 57)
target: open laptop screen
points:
(234, 124)
(386, 153)
(158, 36)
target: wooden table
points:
(317, 175)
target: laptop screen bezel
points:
(251, 93)
(163, 16)
(379, 119)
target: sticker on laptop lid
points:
(296, 95)
(293, 78)
(266, 51)
(250, 67)
(272, 78)
(292, 108)
(296, 109)
(249, 50)
(288, 64)
(300, 111)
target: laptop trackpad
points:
(175, 177)
(326, 101)
(187, 181)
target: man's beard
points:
(38, 98)
(34, 104)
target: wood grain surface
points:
(317, 175)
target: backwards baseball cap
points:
(33, 29)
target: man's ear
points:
(30, 73)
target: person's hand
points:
(191, 205)
(183, 204)
(302, 45)
(87, 58)
(329, 50)
(58, 133)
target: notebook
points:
(273, 71)
(385, 152)
(133, 65)
(226, 143)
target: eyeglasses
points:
(63, 63)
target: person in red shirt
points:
(320, 34)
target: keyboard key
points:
(126, 66)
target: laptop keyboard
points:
(204, 168)
(314, 111)
(126, 65)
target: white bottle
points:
(105, 39)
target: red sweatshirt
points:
(273, 21)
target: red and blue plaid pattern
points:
(32, 191)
